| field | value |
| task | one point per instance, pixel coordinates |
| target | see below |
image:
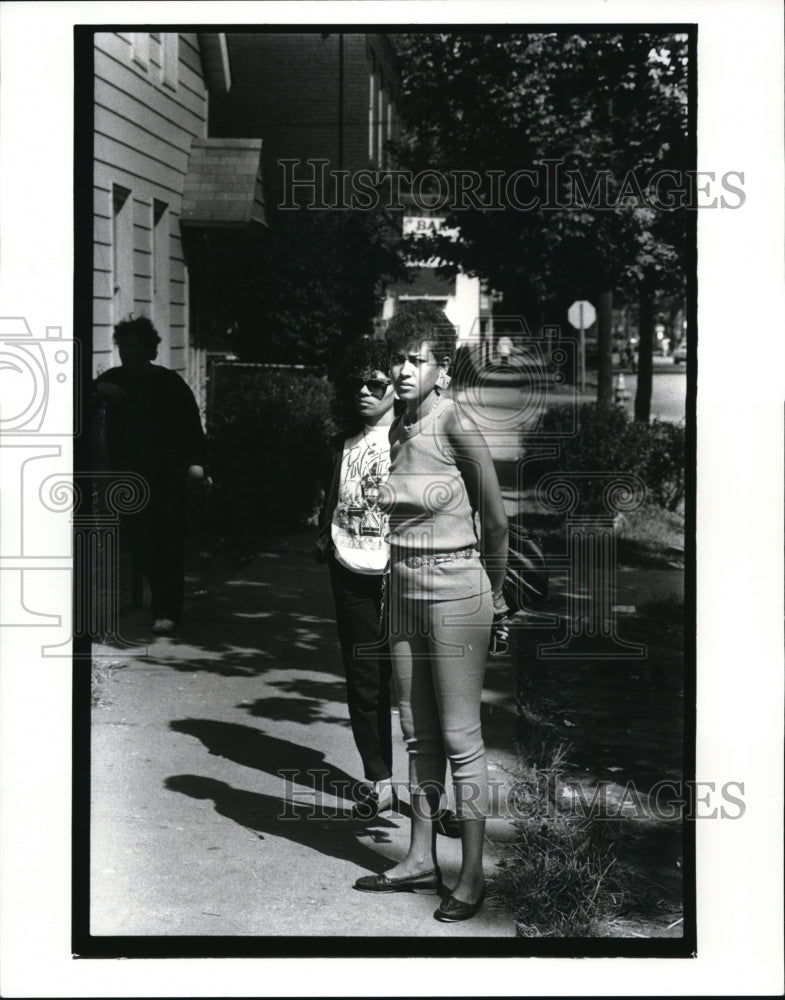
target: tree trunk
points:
(645, 344)
(604, 350)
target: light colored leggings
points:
(439, 649)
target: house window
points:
(170, 43)
(140, 48)
(160, 269)
(122, 254)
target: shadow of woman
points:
(254, 748)
(331, 832)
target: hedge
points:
(608, 440)
(269, 430)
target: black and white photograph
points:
(393, 608)
(304, 245)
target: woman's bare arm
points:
(482, 485)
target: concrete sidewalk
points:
(194, 829)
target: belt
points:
(415, 562)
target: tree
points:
(303, 288)
(593, 116)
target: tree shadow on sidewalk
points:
(275, 613)
(303, 711)
(332, 833)
(253, 748)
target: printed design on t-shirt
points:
(365, 468)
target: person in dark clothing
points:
(153, 428)
(352, 541)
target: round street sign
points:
(581, 314)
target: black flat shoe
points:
(426, 883)
(447, 824)
(453, 909)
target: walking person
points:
(448, 551)
(504, 349)
(153, 428)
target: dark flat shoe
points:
(426, 883)
(453, 909)
(447, 824)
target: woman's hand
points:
(198, 482)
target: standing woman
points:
(353, 541)
(448, 552)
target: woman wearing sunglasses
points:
(448, 551)
(353, 541)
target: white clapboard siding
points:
(142, 138)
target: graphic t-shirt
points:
(359, 528)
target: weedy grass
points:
(650, 534)
(102, 670)
(567, 875)
(562, 877)
(562, 880)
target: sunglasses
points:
(376, 386)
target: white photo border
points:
(739, 517)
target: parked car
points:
(680, 353)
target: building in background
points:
(156, 175)
(189, 132)
(466, 303)
(326, 105)
(312, 96)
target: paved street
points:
(668, 393)
(509, 402)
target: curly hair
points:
(422, 320)
(142, 328)
(361, 359)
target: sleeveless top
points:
(430, 512)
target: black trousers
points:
(367, 665)
(157, 545)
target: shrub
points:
(608, 440)
(664, 474)
(269, 430)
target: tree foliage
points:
(310, 284)
(607, 105)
